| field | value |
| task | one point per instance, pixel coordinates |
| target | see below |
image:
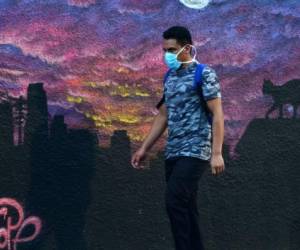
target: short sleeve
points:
(210, 84)
(162, 100)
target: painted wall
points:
(79, 80)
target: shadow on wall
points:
(91, 198)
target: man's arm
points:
(158, 127)
(212, 95)
(215, 107)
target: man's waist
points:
(189, 135)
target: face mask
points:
(171, 59)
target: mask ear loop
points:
(180, 51)
(194, 57)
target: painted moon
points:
(195, 4)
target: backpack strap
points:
(198, 75)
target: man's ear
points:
(188, 49)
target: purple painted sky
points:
(101, 61)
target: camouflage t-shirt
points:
(189, 129)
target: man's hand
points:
(137, 157)
(217, 164)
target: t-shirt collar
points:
(185, 69)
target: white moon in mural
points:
(195, 4)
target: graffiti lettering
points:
(13, 214)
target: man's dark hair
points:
(180, 33)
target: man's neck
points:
(189, 59)
(185, 65)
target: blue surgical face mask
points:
(172, 61)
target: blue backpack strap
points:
(198, 75)
(197, 85)
(166, 75)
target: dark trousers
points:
(182, 177)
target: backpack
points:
(196, 85)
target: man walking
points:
(195, 122)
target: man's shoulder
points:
(208, 71)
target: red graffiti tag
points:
(10, 235)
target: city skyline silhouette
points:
(87, 196)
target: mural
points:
(79, 80)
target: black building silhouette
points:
(36, 127)
(6, 125)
